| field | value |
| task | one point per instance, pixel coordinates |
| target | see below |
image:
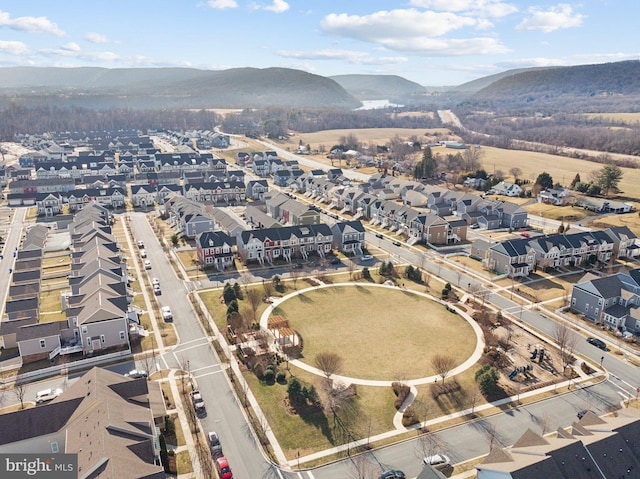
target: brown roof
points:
(107, 422)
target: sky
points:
(431, 42)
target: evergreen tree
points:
(575, 181)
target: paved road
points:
(224, 414)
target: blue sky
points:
(432, 42)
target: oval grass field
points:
(381, 333)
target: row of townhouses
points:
(612, 300)
(520, 257)
(96, 305)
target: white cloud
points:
(412, 31)
(555, 18)
(94, 37)
(353, 57)
(278, 6)
(222, 4)
(13, 48)
(484, 8)
(70, 47)
(73, 50)
(385, 26)
(30, 24)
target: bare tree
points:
(473, 396)
(545, 423)
(245, 280)
(268, 288)
(566, 341)
(294, 274)
(362, 467)
(443, 364)
(20, 389)
(428, 445)
(255, 300)
(335, 396)
(351, 267)
(329, 363)
(147, 363)
(515, 172)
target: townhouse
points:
(214, 250)
(267, 245)
(348, 237)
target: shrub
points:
(487, 379)
(281, 377)
(258, 370)
(366, 274)
(401, 391)
(228, 293)
(409, 417)
(169, 425)
(269, 376)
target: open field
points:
(371, 136)
(397, 331)
(561, 168)
(628, 118)
(561, 213)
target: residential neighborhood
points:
(132, 249)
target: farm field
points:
(373, 136)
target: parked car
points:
(136, 374)
(214, 444)
(378, 235)
(156, 290)
(335, 260)
(437, 461)
(392, 474)
(147, 264)
(525, 235)
(366, 257)
(598, 343)
(166, 313)
(155, 281)
(224, 471)
(397, 243)
(475, 226)
(198, 403)
(47, 395)
(140, 244)
(143, 253)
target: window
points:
(122, 335)
(88, 341)
(84, 330)
(54, 447)
(43, 344)
(102, 338)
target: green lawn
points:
(369, 413)
(380, 333)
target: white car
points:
(47, 395)
(366, 257)
(155, 281)
(140, 244)
(156, 290)
(437, 461)
(136, 374)
(166, 313)
(147, 264)
(143, 253)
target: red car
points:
(224, 471)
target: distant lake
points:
(375, 104)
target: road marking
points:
(624, 396)
(191, 347)
(206, 367)
(311, 476)
(209, 374)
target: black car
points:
(393, 474)
(598, 343)
(396, 243)
(378, 235)
(335, 261)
